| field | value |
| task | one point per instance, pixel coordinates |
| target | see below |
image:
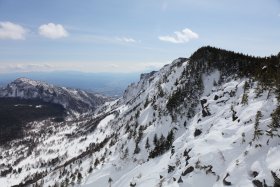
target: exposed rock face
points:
(188, 170)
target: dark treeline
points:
(264, 69)
(15, 113)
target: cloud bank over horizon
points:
(86, 67)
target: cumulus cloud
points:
(9, 30)
(180, 36)
(53, 31)
(126, 39)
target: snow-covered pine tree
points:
(257, 131)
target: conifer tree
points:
(257, 131)
(125, 155)
(147, 145)
(79, 178)
(161, 144)
(137, 149)
(146, 102)
(246, 86)
(244, 100)
(155, 140)
(96, 162)
(110, 180)
(169, 139)
(275, 124)
(259, 89)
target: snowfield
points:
(221, 146)
(177, 127)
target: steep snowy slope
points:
(211, 120)
(71, 99)
(224, 146)
(221, 123)
(207, 149)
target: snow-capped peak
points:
(72, 99)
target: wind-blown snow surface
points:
(220, 147)
(223, 153)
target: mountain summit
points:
(74, 100)
(208, 120)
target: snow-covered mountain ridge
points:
(72, 99)
(210, 120)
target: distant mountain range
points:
(73, 100)
(110, 84)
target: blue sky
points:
(129, 35)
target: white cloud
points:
(24, 67)
(12, 31)
(84, 66)
(180, 36)
(53, 31)
(126, 39)
(154, 66)
(30, 67)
